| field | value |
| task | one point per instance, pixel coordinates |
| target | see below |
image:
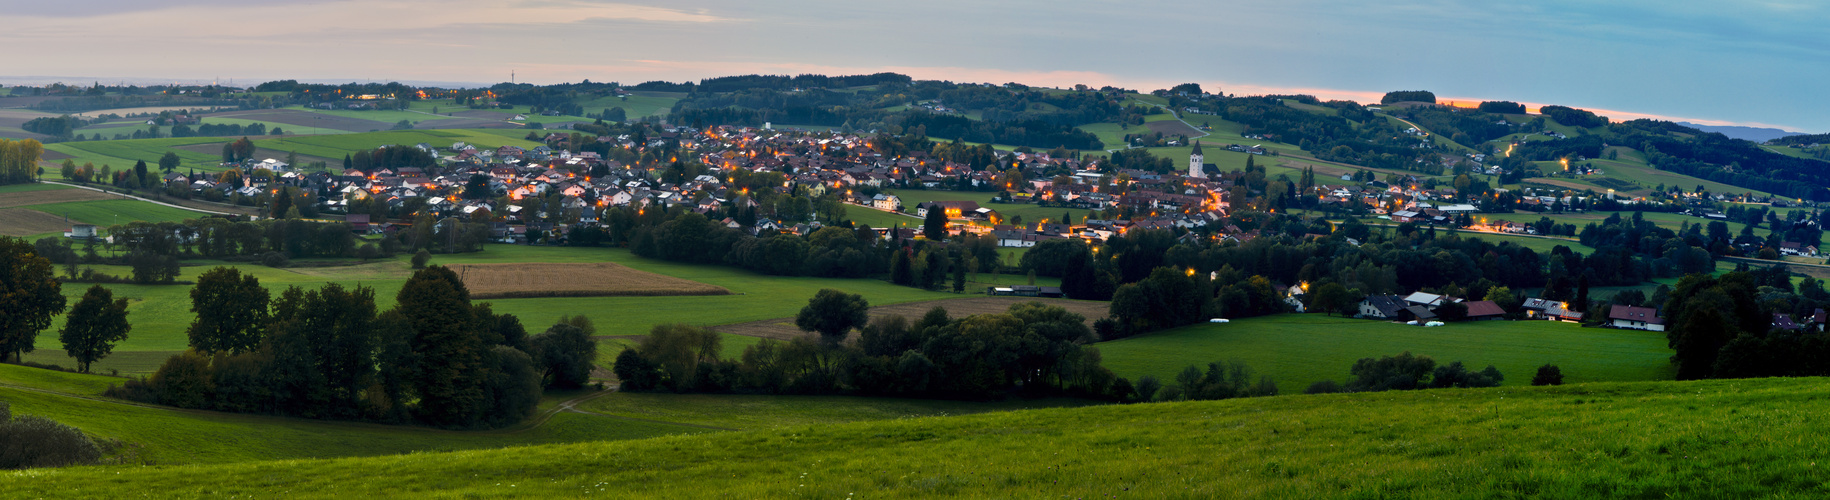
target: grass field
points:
(880, 219)
(751, 412)
(336, 146)
(384, 116)
(165, 436)
(601, 279)
(1713, 439)
(1029, 212)
(1299, 349)
(160, 313)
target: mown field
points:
(1299, 349)
(600, 279)
(1714, 439)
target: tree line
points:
(19, 160)
(435, 358)
(1031, 349)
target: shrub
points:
(1324, 387)
(31, 441)
(420, 259)
(1147, 387)
(275, 259)
(184, 381)
(368, 251)
(1548, 375)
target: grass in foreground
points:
(1299, 349)
(159, 435)
(1716, 439)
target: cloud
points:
(258, 23)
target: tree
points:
(565, 355)
(448, 365)
(29, 296)
(934, 227)
(231, 311)
(1548, 375)
(1402, 372)
(833, 313)
(420, 258)
(1332, 298)
(96, 323)
(169, 162)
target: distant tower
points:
(1194, 163)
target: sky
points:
(1718, 62)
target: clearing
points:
(784, 329)
(599, 279)
(1300, 349)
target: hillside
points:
(1738, 438)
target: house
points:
(1387, 307)
(1423, 299)
(955, 209)
(1537, 308)
(1419, 313)
(887, 202)
(358, 222)
(1635, 318)
(1783, 322)
(1481, 310)
(81, 231)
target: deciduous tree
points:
(833, 313)
(29, 296)
(96, 323)
(231, 311)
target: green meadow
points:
(1029, 211)
(1299, 349)
(161, 313)
(1713, 439)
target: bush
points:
(368, 251)
(31, 441)
(275, 259)
(1147, 387)
(1548, 375)
(1325, 387)
(420, 259)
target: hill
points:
(1737, 438)
(1756, 134)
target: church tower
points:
(1194, 163)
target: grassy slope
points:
(161, 435)
(1299, 349)
(1739, 439)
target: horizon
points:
(1747, 64)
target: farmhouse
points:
(1484, 310)
(1635, 318)
(1388, 307)
(954, 209)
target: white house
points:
(1636, 318)
(887, 202)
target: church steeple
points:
(1194, 162)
